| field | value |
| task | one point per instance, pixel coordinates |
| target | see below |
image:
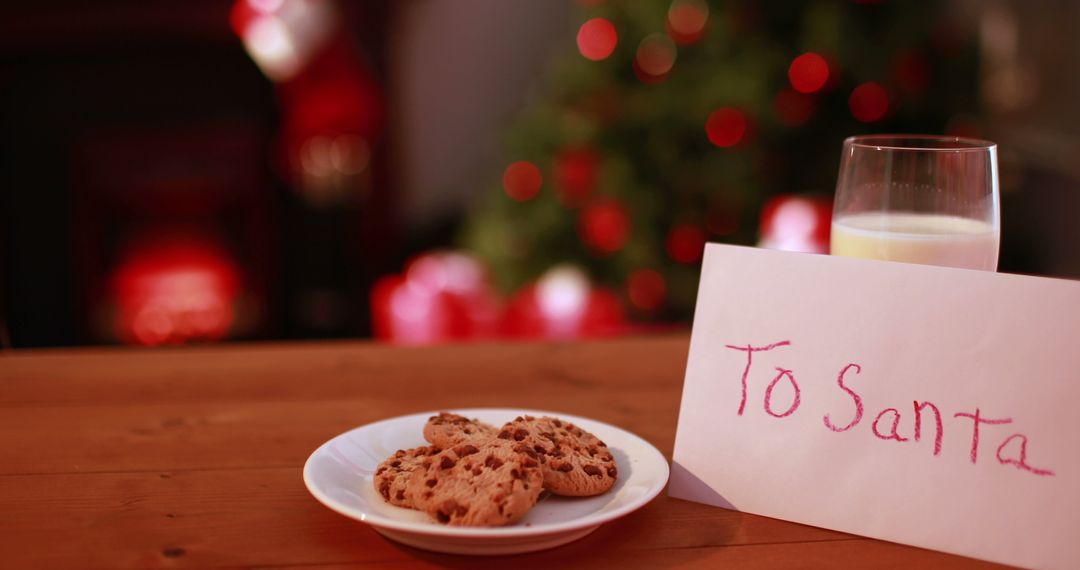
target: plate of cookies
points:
(486, 481)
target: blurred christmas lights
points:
(686, 20)
(596, 39)
(604, 226)
(522, 180)
(685, 243)
(869, 102)
(726, 127)
(796, 223)
(655, 55)
(808, 73)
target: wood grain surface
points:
(191, 458)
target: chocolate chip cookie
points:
(574, 462)
(447, 430)
(392, 476)
(489, 484)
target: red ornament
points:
(576, 171)
(596, 39)
(604, 226)
(563, 305)
(686, 243)
(869, 102)
(442, 296)
(646, 289)
(792, 109)
(796, 223)
(726, 127)
(808, 73)
(522, 180)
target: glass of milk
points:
(918, 199)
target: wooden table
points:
(191, 458)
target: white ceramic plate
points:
(339, 474)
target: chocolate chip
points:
(565, 468)
(467, 450)
(431, 482)
(591, 469)
(539, 449)
(530, 463)
(593, 451)
(395, 464)
(557, 423)
(477, 471)
(607, 457)
(600, 443)
(504, 434)
(384, 489)
(519, 419)
(520, 434)
(442, 517)
(447, 463)
(516, 474)
(493, 462)
(612, 472)
(400, 495)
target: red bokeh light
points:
(686, 20)
(726, 127)
(655, 55)
(686, 243)
(172, 289)
(522, 180)
(808, 73)
(796, 223)
(646, 289)
(604, 226)
(576, 172)
(869, 102)
(596, 39)
(791, 108)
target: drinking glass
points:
(918, 199)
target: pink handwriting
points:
(768, 394)
(750, 350)
(975, 432)
(855, 397)
(937, 423)
(1022, 462)
(893, 434)
(888, 418)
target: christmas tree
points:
(672, 122)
